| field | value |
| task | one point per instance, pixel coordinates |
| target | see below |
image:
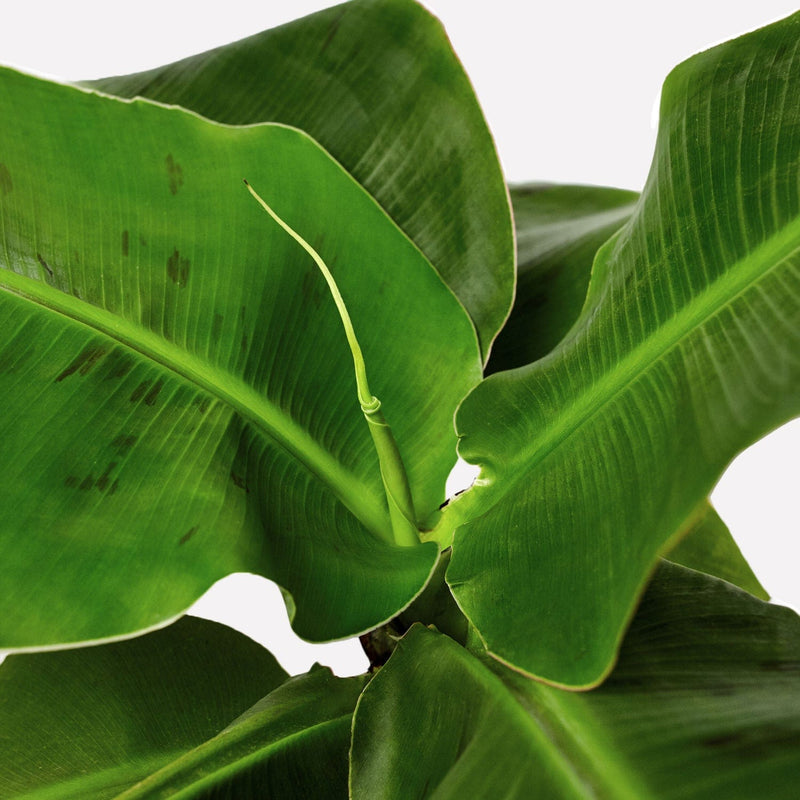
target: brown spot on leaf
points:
(216, 326)
(6, 184)
(120, 367)
(126, 243)
(239, 481)
(334, 26)
(150, 397)
(175, 174)
(44, 264)
(178, 269)
(188, 535)
(104, 479)
(84, 362)
(202, 404)
(139, 391)
(124, 442)
(87, 483)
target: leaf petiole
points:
(393, 473)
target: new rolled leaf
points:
(686, 352)
(179, 401)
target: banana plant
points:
(254, 303)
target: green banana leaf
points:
(193, 710)
(377, 84)
(704, 702)
(558, 232)
(685, 352)
(707, 546)
(179, 397)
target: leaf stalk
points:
(393, 473)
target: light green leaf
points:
(179, 400)
(558, 231)
(378, 85)
(707, 546)
(685, 353)
(193, 710)
(704, 702)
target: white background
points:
(570, 92)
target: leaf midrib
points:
(716, 296)
(197, 756)
(594, 773)
(234, 392)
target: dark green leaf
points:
(293, 745)
(686, 352)
(705, 702)
(89, 723)
(179, 399)
(377, 84)
(559, 229)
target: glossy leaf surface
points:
(685, 352)
(558, 231)
(179, 399)
(378, 85)
(193, 710)
(704, 702)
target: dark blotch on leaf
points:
(239, 481)
(124, 442)
(178, 269)
(44, 264)
(126, 243)
(84, 362)
(120, 366)
(216, 326)
(114, 487)
(188, 535)
(87, 483)
(71, 481)
(332, 31)
(202, 404)
(6, 184)
(175, 174)
(139, 391)
(103, 480)
(150, 397)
